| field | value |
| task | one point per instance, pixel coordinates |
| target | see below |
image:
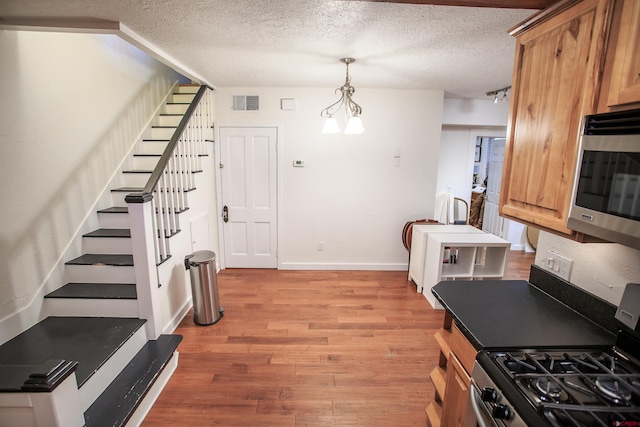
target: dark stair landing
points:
(117, 403)
(90, 341)
(95, 291)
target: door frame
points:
(221, 256)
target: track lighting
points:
(496, 92)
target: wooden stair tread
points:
(115, 210)
(90, 341)
(110, 232)
(116, 404)
(120, 260)
(95, 291)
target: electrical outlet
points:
(558, 265)
(321, 245)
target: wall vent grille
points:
(245, 102)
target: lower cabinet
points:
(451, 378)
(456, 394)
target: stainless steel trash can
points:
(204, 287)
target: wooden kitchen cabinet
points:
(451, 378)
(558, 62)
(621, 82)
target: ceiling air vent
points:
(245, 102)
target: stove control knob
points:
(501, 412)
(489, 394)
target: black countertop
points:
(506, 314)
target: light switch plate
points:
(558, 265)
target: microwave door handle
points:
(483, 418)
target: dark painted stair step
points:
(140, 171)
(103, 259)
(117, 403)
(115, 210)
(95, 291)
(127, 190)
(110, 232)
(137, 171)
(90, 341)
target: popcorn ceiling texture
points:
(297, 43)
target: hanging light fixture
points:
(352, 110)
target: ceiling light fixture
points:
(352, 110)
(496, 92)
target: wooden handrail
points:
(147, 193)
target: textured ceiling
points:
(463, 51)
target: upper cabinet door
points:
(553, 87)
(622, 73)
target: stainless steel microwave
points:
(606, 191)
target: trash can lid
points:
(202, 257)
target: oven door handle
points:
(483, 418)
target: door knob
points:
(225, 214)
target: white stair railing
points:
(153, 212)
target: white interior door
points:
(248, 180)
(492, 221)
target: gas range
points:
(562, 387)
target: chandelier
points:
(352, 110)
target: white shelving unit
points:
(479, 256)
(419, 254)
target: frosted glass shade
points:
(354, 126)
(330, 126)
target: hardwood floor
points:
(309, 348)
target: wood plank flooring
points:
(309, 348)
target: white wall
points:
(457, 151)
(463, 121)
(350, 194)
(602, 269)
(72, 106)
(475, 112)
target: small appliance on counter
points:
(564, 387)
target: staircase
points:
(94, 319)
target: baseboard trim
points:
(342, 266)
(171, 326)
